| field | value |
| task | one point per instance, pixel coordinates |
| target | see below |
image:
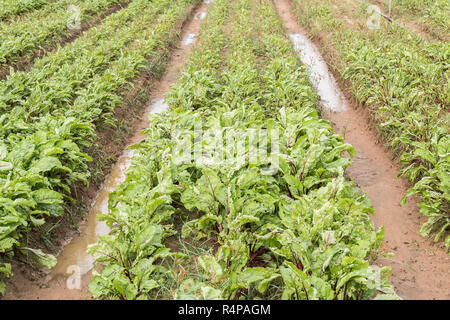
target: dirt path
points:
(421, 269)
(70, 277)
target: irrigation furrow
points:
(420, 270)
(70, 277)
(402, 80)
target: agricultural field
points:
(34, 33)
(199, 143)
(410, 106)
(431, 16)
(50, 114)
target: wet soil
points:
(70, 277)
(421, 268)
(415, 24)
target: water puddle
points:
(200, 16)
(323, 81)
(376, 174)
(189, 39)
(159, 106)
(74, 258)
(69, 279)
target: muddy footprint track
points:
(421, 269)
(62, 282)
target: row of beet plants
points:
(403, 81)
(238, 192)
(50, 116)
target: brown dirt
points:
(28, 284)
(421, 269)
(26, 63)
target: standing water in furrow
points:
(74, 264)
(323, 81)
(420, 270)
(74, 257)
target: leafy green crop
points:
(403, 81)
(302, 232)
(11, 8)
(49, 116)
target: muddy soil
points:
(421, 269)
(70, 277)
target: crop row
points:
(56, 79)
(403, 81)
(11, 8)
(219, 225)
(432, 14)
(47, 122)
(44, 28)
